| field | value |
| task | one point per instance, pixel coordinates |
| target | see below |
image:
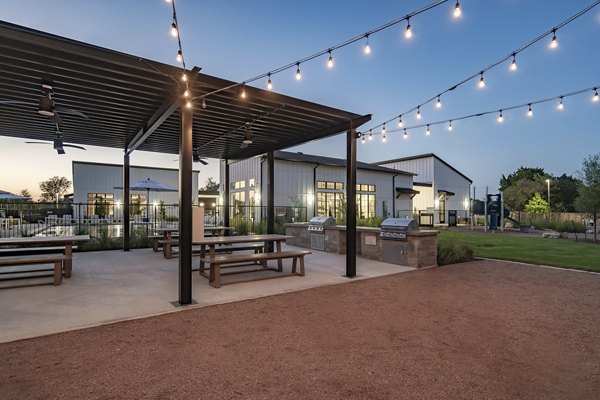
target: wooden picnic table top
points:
(243, 239)
(206, 228)
(44, 240)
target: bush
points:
(452, 252)
(373, 222)
(241, 227)
(559, 226)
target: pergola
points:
(133, 103)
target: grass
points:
(535, 250)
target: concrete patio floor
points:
(111, 286)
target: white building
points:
(95, 183)
(318, 184)
(443, 190)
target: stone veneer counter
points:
(419, 250)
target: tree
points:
(564, 192)
(537, 205)
(590, 170)
(531, 174)
(588, 202)
(521, 191)
(25, 193)
(211, 185)
(53, 188)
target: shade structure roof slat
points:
(122, 93)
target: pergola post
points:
(351, 203)
(226, 186)
(126, 227)
(185, 206)
(271, 193)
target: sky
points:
(238, 39)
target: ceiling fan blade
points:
(60, 150)
(69, 111)
(15, 102)
(38, 143)
(74, 146)
(201, 161)
(56, 119)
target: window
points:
(238, 184)
(365, 205)
(330, 185)
(138, 204)
(251, 182)
(100, 204)
(365, 188)
(328, 203)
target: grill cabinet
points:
(316, 227)
(397, 228)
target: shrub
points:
(374, 222)
(452, 252)
(241, 227)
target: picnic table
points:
(208, 255)
(169, 240)
(41, 242)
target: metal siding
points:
(450, 180)
(421, 166)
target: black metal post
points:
(226, 186)
(351, 203)
(270, 193)
(126, 202)
(185, 206)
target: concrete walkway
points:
(110, 286)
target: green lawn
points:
(534, 250)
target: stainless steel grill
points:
(318, 224)
(397, 228)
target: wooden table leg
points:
(201, 269)
(265, 250)
(69, 259)
(280, 261)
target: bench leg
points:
(167, 250)
(294, 265)
(155, 245)
(215, 275)
(280, 261)
(58, 271)
(301, 265)
(202, 255)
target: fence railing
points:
(96, 219)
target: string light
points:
(400, 123)
(408, 34)
(367, 48)
(243, 91)
(513, 65)
(481, 80)
(370, 134)
(419, 116)
(383, 130)
(554, 41)
(450, 126)
(383, 138)
(330, 60)
(428, 132)
(561, 106)
(405, 134)
(174, 32)
(184, 77)
(269, 82)
(363, 139)
(186, 93)
(438, 104)
(169, 1)
(595, 97)
(188, 104)
(530, 111)
(457, 10)
(179, 56)
(203, 103)
(298, 73)
(500, 117)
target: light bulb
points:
(419, 116)
(298, 73)
(383, 138)
(184, 77)
(500, 117)
(561, 106)
(243, 91)
(363, 139)
(554, 41)
(169, 1)
(405, 134)
(428, 132)
(450, 126)
(203, 103)
(330, 61)
(370, 134)
(513, 65)
(174, 32)
(188, 104)
(595, 97)
(439, 103)
(383, 130)
(530, 111)
(367, 48)
(186, 93)
(400, 123)
(179, 56)
(457, 10)
(408, 34)
(269, 82)
(481, 82)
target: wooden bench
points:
(169, 253)
(56, 259)
(17, 251)
(214, 277)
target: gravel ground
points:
(480, 330)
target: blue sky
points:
(240, 39)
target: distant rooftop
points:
(426, 155)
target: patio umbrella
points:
(149, 185)
(9, 196)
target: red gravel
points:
(481, 330)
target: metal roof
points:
(428, 155)
(128, 97)
(335, 162)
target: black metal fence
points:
(106, 219)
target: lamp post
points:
(548, 182)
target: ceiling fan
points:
(58, 144)
(46, 105)
(196, 157)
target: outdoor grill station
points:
(398, 240)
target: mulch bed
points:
(480, 330)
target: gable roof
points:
(427, 155)
(334, 162)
